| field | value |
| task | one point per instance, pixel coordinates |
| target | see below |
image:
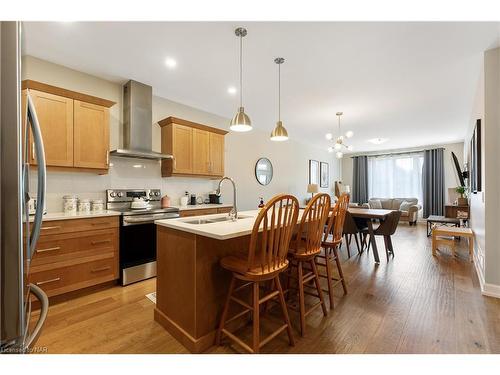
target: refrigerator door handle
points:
(42, 177)
(44, 307)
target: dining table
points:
(370, 214)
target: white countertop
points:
(203, 206)
(220, 230)
(79, 215)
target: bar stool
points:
(265, 260)
(303, 250)
(332, 241)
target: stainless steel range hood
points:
(137, 123)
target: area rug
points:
(151, 297)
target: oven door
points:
(138, 246)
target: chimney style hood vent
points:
(137, 123)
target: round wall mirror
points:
(263, 171)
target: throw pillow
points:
(375, 203)
(405, 206)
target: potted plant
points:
(462, 200)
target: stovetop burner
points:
(121, 200)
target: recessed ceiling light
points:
(232, 90)
(170, 63)
(378, 141)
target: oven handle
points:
(146, 219)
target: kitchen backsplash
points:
(123, 173)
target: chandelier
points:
(339, 144)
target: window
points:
(396, 176)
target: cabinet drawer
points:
(78, 225)
(224, 210)
(71, 246)
(66, 279)
(206, 211)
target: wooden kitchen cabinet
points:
(91, 135)
(74, 126)
(198, 150)
(76, 253)
(55, 116)
(201, 152)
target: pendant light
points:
(279, 134)
(241, 122)
(340, 141)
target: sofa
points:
(409, 207)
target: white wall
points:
(290, 159)
(450, 175)
(485, 206)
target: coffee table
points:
(434, 221)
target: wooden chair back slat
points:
(272, 232)
(336, 220)
(312, 225)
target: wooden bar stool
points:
(303, 250)
(332, 241)
(266, 259)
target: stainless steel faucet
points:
(233, 214)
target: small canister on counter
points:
(84, 205)
(165, 201)
(70, 204)
(97, 205)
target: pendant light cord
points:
(279, 92)
(241, 71)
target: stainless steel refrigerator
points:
(18, 236)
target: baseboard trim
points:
(490, 290)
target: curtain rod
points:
(400, 153)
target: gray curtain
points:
(433, 182)
(360, 179)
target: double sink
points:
(214, 220)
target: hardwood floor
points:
(415, 303)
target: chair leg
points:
(301, 299)
(285, 311)
(357, 243)
(348, 248)
(318, 287)
(386, 248)
(389, 241)
(256, 325)
(339, 269)
(225, 311)
(329, 275)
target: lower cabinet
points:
(77, 254)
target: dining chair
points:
(386, 229)
(332, 240)
(303, 250)
(353, 227)
(265, 259)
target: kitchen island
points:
(191, 286)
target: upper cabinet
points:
(197, 150)
(74, 126)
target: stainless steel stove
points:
(138, 231)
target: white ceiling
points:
(413, 83)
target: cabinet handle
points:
(175, 162)
(95, 270)
(48, 281)
(107, 158)
(48, 249)
(100, 242)
(53, 227)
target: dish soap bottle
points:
(261, 204)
